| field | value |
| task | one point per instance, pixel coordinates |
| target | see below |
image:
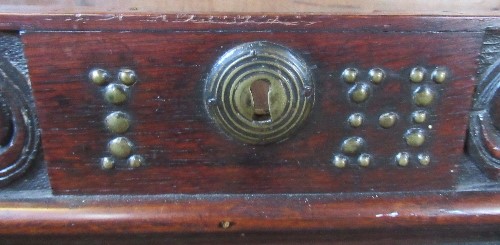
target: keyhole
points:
(260, 98)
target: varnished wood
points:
(235, 22)
(352, 7)
(449, 202)
(187, 153)
(171, 214)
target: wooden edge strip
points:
(241, 213)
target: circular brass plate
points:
(232, 103)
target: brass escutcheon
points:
(259, 92)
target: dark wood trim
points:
(374, 7)
(264, 213)
(242, 22)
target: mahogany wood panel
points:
(187, 153)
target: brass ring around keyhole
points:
(259, 92)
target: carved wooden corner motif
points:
(484, 131)
(19, 134)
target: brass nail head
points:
(419, 116)
(423, 96)
(339, 161)
(117, 122)
(98, 76)
(364, 159)
(417, 74)
(115, 94)
(402, 158)
(107, 163)
(120, 147)
(415, 137)
(439, 75)
(127, 76)
(135, 161)
(377, 75)
(352, 145)
(388, 119)
(360, 93)
(355, 120)
(424, 159)
(350, 75)
(225, 224)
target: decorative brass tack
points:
(107, 163)
(402, 158)
(225, 224)
(135, 161)
(439, 75)
(376, 75)
(359, 93)
(120, 147)
(339, 161)
(423, 96)
(98, 76)
(419, 116)
(388, 119)
(424, 159)
(364, 159)
(127, 76)
(417, 74)
(115, 94)
(350, 75)
(117, 122)
(415, 137)
(355, 120)
(352, 145)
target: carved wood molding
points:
(19, 134)
(484, 132)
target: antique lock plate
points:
(259, 92)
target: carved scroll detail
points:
(484, 135)
(19, 134)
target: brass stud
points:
(364, 159)
(98, 76)
(115, 94)
(135, 161)
(376, 75)
(225, 224)
(107, 163)
(423, 96)
(350, 75)
(424, 159)
(388, 119)
(402, 158)
(359, 93)
(352, 145)
(339, 161)
(127, 76)
(417, 74)
(439, 75)
(355, 120)
(415, 137)
(120, 147)
(419, 116)
(117, 122)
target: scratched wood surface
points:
(351, 7)
(187, 153)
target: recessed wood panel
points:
(185, 151)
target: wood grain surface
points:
(187, 153)
(177, 214)
(352, 7)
